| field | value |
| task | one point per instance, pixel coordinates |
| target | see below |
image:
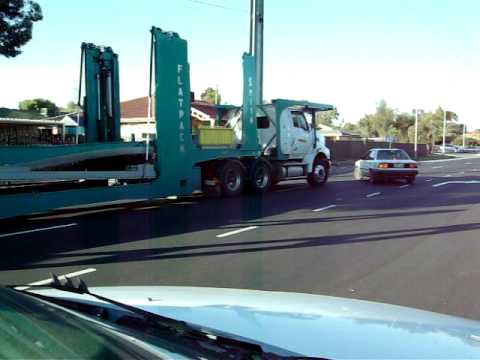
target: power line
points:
(218, 6)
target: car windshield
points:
(178, 156)
(392, 155)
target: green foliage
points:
(378, 124)
(468, 141)
(210, 95)
(70, 107)
(402, 123)
(38, 105)
(326, 117)
(402, 126)
(16, 23)
(351, 128)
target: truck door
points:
(302, 141)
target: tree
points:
(70, 107)
(16, 23)
(211, 96)
(349, 127)
(468, 141)
(326, 117)
(402, 124)
(38, 105)
(378, 124)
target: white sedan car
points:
(383, 164)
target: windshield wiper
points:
(207, 340)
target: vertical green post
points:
(249, 119)
(172, 111)
(102, 99)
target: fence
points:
(353, 150)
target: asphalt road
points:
(417, 246)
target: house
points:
(18, 127)
(135, 125)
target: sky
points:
(348, 53)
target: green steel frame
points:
(178, 158)
(102, 94)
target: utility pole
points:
(416, 133)
(444, 129)
(464, 134)
(256, 42)
(216, 95)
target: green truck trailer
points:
(257, 146)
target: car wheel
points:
(374, 179)
(411, 180)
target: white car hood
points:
(311, 325)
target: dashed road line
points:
(438, 167)
(428, 180)
(468, 163)
(235, 232)
(325, 208)
(404, 186)
(373, 194)
(37, 230)
(456, 182)
(61, 277)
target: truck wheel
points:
(319, 175)
(261, 176)
(232, 178)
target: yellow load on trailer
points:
(216, 136)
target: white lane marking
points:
(438, 167)
(37, 230)
(441, 160)
(428, 180)
(291, 189)
(456, 182)
(373, 194)
(325, 208)
(404, 186)
(448, 175)
(61, 277)
(230, 233)
(469, 163)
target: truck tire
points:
(261, 176)
(319, 175)
(232, 178)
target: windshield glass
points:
(180, 157)
(31, 329)
(392, 155)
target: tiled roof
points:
(138, 108)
